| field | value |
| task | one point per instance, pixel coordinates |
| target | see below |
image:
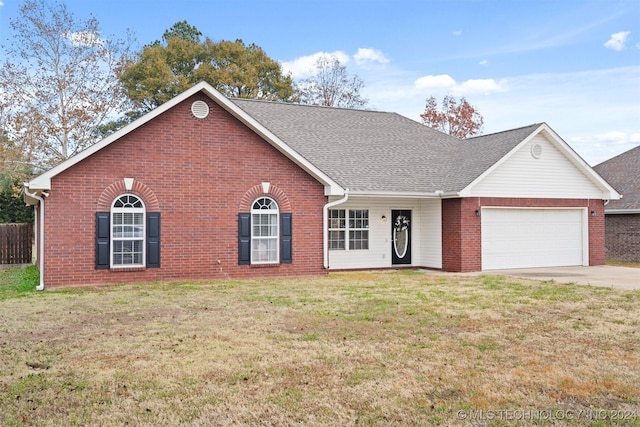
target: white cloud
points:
(1, 3)
(604, 146)
(304, 66)
(457, 33)
(366, 56)
(84, 38)
(442, 81)
(484, 62)
(617, 40)
(481, 86)
(446, 83)
(613, 138)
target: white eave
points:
(608, 192)
(621, 211)
(408, 195)
(43, 182)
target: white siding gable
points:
(538, 168)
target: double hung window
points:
(264, 231)
(127, 232)
(348, 229)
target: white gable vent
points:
(200, 109)
(536, 151)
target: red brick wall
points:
(622, 234)
(196, 173)
(461, 228)
(461, 245)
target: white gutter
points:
(40, 229)
(437, 194)
(621, 211)
(325, 226)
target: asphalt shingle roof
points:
(372, 151)
(623, 173)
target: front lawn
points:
(386, 348)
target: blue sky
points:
(572, 64)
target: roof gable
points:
(539, 164)
(43, 181)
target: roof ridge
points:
(329, 107)
(505, 131)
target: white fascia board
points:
(406, 195)
(621, 211)
(608, 192)
(43, 181)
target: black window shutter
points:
(103, 226)
(153, 239)
(286, 250)
(244, 238)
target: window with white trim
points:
(264, 231)
(355, 226)
(337, 229)
(127, 232)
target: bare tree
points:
(331, 86)
(58, 82)
(457, 118)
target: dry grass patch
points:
(392, 348)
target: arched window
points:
(264, 231)
(127, 232)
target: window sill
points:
(127, 269)
(270, 265)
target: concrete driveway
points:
(600, 275)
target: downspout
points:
(40, 244)
(325, 226)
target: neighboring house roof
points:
(366, 152)
(623, 173)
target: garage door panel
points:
(521, 238)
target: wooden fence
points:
(16, 242)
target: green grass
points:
(374, 349)
(18, 281)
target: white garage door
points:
(522, 238)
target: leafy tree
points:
(13, 209)
(331, 86)
(244, 71)
(14, 170)
(457, 118)
(58, 82)
(182, 59)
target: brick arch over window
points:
(118, 188)
(256, 192)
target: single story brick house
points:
(622, 216)
(209, 187)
